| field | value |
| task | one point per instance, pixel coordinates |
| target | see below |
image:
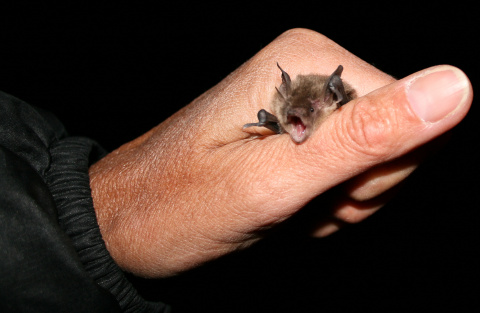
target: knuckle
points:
(348, 215)
(354, 212)
(371, 129)
(295, 44)
(303, 33)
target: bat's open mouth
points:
(298, 128)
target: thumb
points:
(381, 126)
(393, 120)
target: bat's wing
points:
(335, 87)
(266, 120)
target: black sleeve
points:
(52, 256)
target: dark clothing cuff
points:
(52, 254)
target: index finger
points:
(251, 87)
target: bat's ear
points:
(286, 85)
(335, 88)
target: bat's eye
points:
(312, 109)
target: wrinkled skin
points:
(197, 186)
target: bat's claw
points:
(266, 120)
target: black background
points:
(112, 71)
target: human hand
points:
(197, 187)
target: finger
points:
(350, 211)
(382, 177)
(370, 191)
(365, 194)
(236, 100)
(391, 122)
(303, 51)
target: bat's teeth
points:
(298, 128)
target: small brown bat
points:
(299, 106)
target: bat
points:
(301, 105)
